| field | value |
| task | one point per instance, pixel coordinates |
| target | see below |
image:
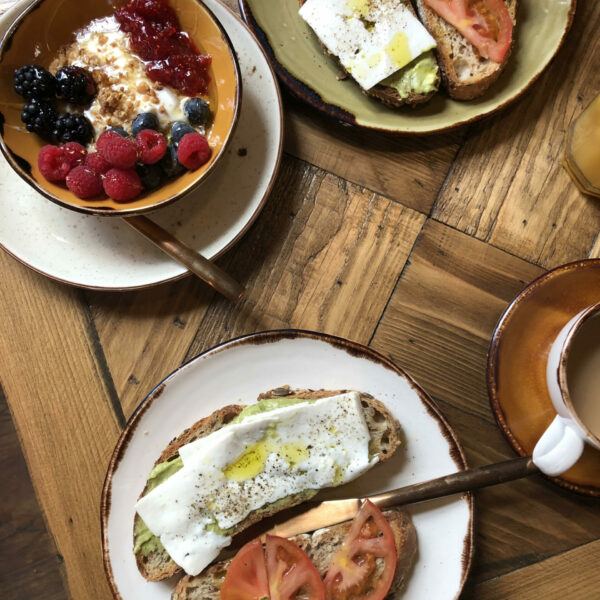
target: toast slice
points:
(465, 73)
(321, 546)
(390, 96)
(156, 564)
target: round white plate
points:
(236, 372)
(103, 252)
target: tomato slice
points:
(291, 574)
(354, 573)
(485, 23)
(246, 577)
(282, 572)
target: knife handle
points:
(463, 481)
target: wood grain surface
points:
(414, 246)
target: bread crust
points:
(456, 55)
(157, 566)
(321, 547)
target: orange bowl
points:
(46, 26)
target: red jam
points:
(171, 56)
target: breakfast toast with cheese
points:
(465, 73)
(411, 95)
(321, 547)
(155, 564)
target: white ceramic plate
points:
(238, 371)
(103, 252)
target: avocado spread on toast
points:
(145, 541)
(418, 77)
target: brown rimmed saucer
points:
(516, 371)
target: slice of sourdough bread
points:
(157, 565)
(465, 73)
(390, 96)
(321, 547)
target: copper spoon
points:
(182, 253)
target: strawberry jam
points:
(171, 56)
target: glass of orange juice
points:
(582, 155)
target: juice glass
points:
(582, 155)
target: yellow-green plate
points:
(311, 75)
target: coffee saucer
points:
(516, 371)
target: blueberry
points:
(144, 121)
(169, 163)
(118, 130)
(150, 175)
(178, 130)
(197, 111)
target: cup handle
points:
(558, 449)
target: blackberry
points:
(75, 84)
(144, 121)
(39, 117)
(151, 176)
(197, 111)
(179, 129)
(34, 82)
(169, 164)
(73, 128)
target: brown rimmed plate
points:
(40, 28)
(236, 372)
(312, 76)
(103, 253)
(516, 371)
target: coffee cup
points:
(573, 379)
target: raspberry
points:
(54, 163)
(76, 153)
(104, 138)
(97, 163)
(84, 182)
(151, 146)
(120, 152)
(122, 185)
(193, 150)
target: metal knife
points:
(336, 511)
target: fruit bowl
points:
(37, 35)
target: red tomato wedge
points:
(291, 573)
(354, 572)
(246, 577)
(282, 572)
(485, 23)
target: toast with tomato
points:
(153, 561)
(474, 41)
(327, 550)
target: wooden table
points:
(413, 246)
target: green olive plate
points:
(313, 76)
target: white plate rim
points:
(272, 336)
(9, 16)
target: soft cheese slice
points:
(244, 466)
(371, 38)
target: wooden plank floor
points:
(412, 246)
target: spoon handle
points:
(463, 481)
(194, 261)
